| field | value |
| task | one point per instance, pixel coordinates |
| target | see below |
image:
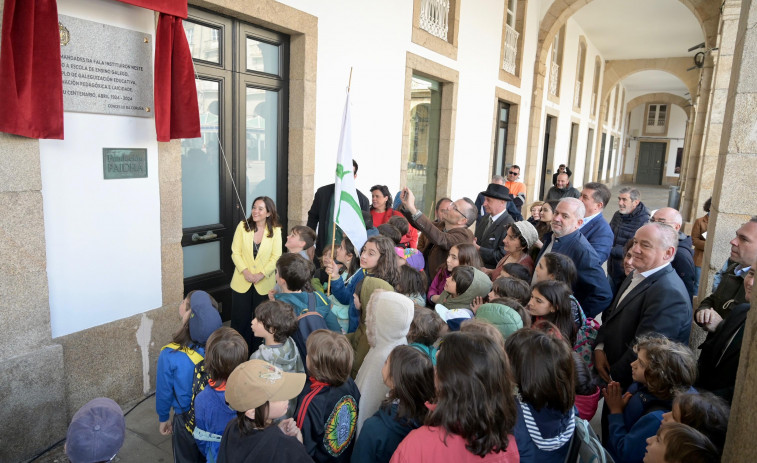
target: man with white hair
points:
(683, 262)
(592, 289)
(632, 214)
(652, 299)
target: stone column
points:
(700, 182)
(734, 201)
(33, 415)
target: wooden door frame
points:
(664, 157)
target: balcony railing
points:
(577, 95)
(435, 17)
(511, 49)
(554, 76)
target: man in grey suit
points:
(652, 299)
(492, 227)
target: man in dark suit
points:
(595, 228)
(321, 213)
(719, 360)
(592, 289)
(492, 227)
(652, 299)
(683, 262)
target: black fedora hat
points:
(497, 191)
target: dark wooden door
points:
(649, 167)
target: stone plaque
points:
(106, 69)
(124, 163)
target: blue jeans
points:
(697, 275)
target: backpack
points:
(585, 446)
(586, 338)
(307, 322)
(199, 381)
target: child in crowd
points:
(474, 414)
(226, 349)
(328, 407)
(506, 287)
(293, 274)
(535, 210)
(412, 283)
(463, 286)
(703, 411)
(587, 390)
(427, 327)
(502, 317)
(460, 254)
(409, 376)
(260, 393)
(481, 326)
(176, 369)
(559, 267)
(300, 241)
(517, 271)
(359, 339)
(679, 443)
(543, 371)
(391, 232)
(341, 311)
(550, 301)
(388, 320)
(275, 322)
(97, 432)
(663, 369)
(412, 257)
(409, 233)
(377, 259)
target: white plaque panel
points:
(106, 69)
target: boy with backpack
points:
(275, 322)
(293, 274)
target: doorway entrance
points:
(241, 79)
(550, 127)
(651, 160)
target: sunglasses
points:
(512, 173)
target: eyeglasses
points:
(454, 206)
(512, 173)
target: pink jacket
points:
(427, 444)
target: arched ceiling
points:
(623, 29)
(654, 81)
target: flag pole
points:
(333, 224)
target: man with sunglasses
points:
(456, 219)
(517, 189)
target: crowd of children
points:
(368, 356)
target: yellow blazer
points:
(268, 254)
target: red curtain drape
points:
(31, 86)
(172, 7)
(177, 113)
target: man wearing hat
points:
(492, 227)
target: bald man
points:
(683, 262)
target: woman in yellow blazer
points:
(255, 250)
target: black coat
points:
(492, 246)
(318, 215)
(624, 228)
(730, 292)
(659, 304)
(719, 359)
(683, 262)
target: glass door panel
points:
(423, 159)
(261, 143)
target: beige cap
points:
(256, 382)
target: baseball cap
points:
(96, 432)
(256, 382)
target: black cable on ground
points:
(42, 453)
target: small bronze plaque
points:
(124, 163)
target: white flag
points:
(347, 213)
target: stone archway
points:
(617, 70)
(706, 12)
(668, 98)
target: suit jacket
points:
(492, 246)
(599, 234)
(719, 360)
(592, 289)
(659, 304)
(319, 217)
(243, 257)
